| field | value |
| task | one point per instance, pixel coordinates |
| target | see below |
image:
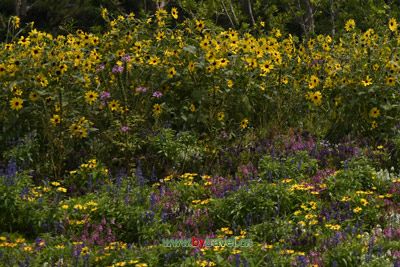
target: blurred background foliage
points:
(298, 17)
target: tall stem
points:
(251, 12)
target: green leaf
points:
(190, 48)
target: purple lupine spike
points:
(302, 260)
(11, 169)
(139, 174)
(153, 200)
(153, 176)
(237, 260)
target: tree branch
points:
(227, 13)
(251, 12)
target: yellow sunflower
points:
(391, 81)
(199, 25)
(16, 103)
(221, 116)
(174, 13)
(393, 24)
(171, 72)
(244, 123)
(374, 112)
(56, 119)
(157, 110)
(114, 105)
(350, 25)
(33, 96)
(316, 98)
(90, 97)
(314, 82)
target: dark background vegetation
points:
(299, 17)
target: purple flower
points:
(117, 69)
(157, 94)
(126, 58)
(141, 89)
(100, 67)
(124, 129)
(105, 95)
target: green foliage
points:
(296, 166)
(253, 205)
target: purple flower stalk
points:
(105, 95)
(157, 94)
(126, 58)
(117, 69)
(125, 129)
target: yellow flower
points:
(55, 183)
(221, 116)
(196, 201)
(199, 25)
(192, 108)
(85, 251)
(287, 251)
(191, 66)
(62, 189)
(345, 199)
(114, 105)
(104, 13)
(350, 25)
(367, 81)
(174, 13)
(314, 82)
(28, 249)
(171, 72)
(16, 103)
(65, 207)
(56, 119)
(316, 98)
(15, 21)
(374, 112)
(393, 24)
(90, 97)
(364, 202)
(357, 210)
(266, 67)
(391, 81)
(266, 246)
(154, 60)
(157, 110)
(20, 240)
(78, 207)
(236, 251)
(244, 123)
(33, 96)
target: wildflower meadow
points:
(168, 140)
